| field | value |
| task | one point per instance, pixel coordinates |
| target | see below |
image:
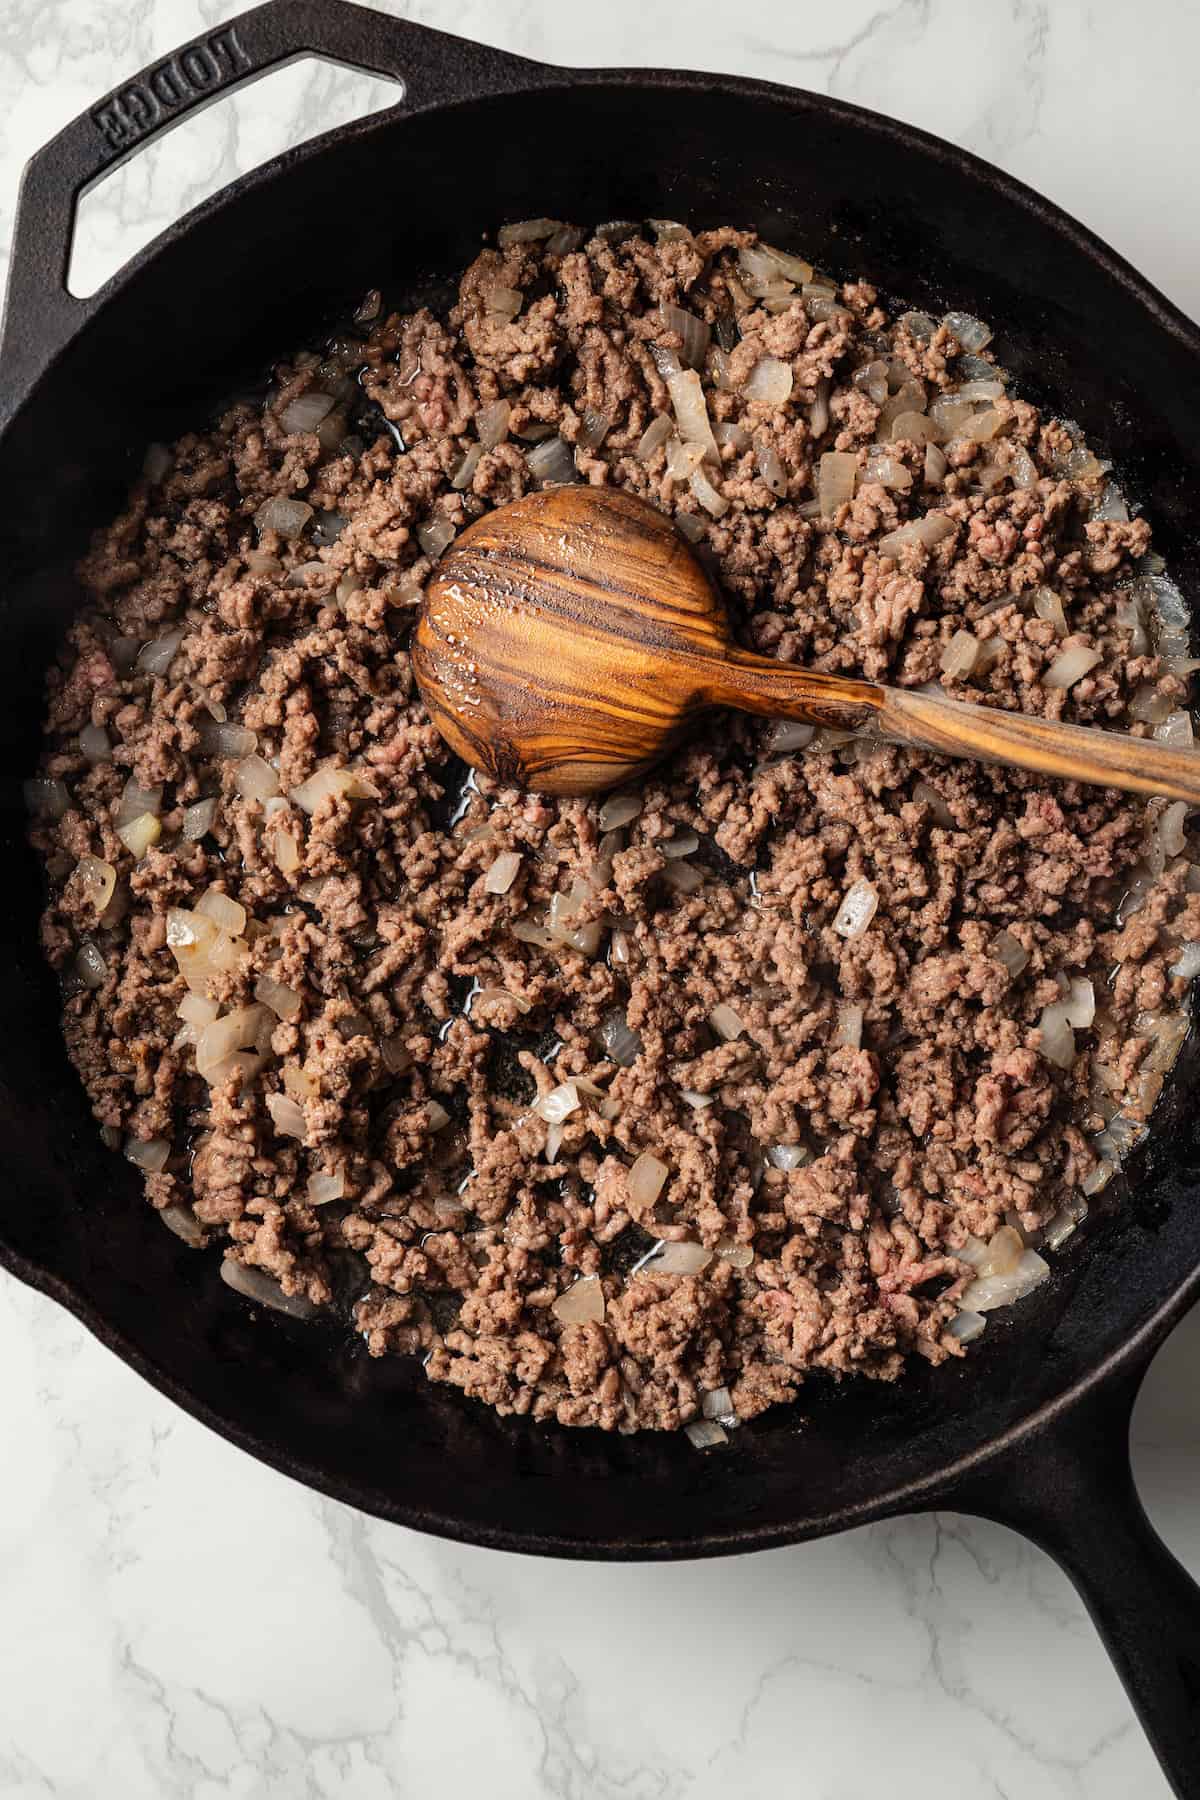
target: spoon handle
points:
(956, 728)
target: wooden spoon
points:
(569, 640)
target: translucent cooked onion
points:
(770, 468)
(1176, 730)
(788, 1156)
(582, 1303)
(991, 1291)
(1079, 1003)
(1169, 827)
(196, 1009)
(622, 1044)
(257, 1285)
(981, 390)
(1058, 1040)
(705, 1434)
(669, 231)
(558, 1104)
(858, 908)
(1047, 605)
(691, 413)
(227, 914)
(685, 843)
(1022, 469)
(927, 532)
(1070, 666)
(140, 834)
(328, 781)
(528, 931)
(912, 428)
(971, 333)
(693, 332)
(727, 1024)
(503, 302)
(682, 458)
(1187, 965)
(95, 745)
(769, 382)
(156, 657)
(918, 325)
(283, 1001)
(849, 1027)
(698, 1102)
(1007, 950)
(684, 877)
(90, 965)
(148, 1154)
(935, 465)
(886, 470)
(929, 796)
(502, 873)
(872, 379)
(657, 432)
(646, 1179)
(618, 810)
(717, 1404)
(255, 779)
(837, 473)
(710, 499)
(552, 464)
(322, 1188)
(736, 436)
(950, 416)
(594, 427)
(679, 1259)
(730, 1251)
(306, 412)
(183, 1222)
(527, 231)
(46, 798)
(464, 474)
(137, 800)
(97, 879)
(434, 535)
(982, 427)
(397, 1058)
(960, 654)
(818, 412)
(286, 1115)
(287, 517)
(491, 423)
(198, 819)
(966, 1327)
(788, 734)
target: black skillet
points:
(1033, 1429)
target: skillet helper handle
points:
(1072, 1492)
(41, 315)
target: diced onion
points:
(1022, 469)
(283, 1001)
(324, 1188)
(1047, 605)
(684, 844)
(770, 467)
(926, 532)
(730, 1251)
(257, 1285)
(872, 379)
(287, 517)
(184, 1223)
(726, 1022)
(438, 1117)
(228, 915)
(918, 325)
(837, 473)
(710, 499)
(960, 654)
(1007, 950)
(582, 1303)
(1079, 1005)
(691, 413)
(717, 1404)
(788, 1156)
(885, 469)
(434, 535)
(1176, 731)
(527, 231)
(329, 780)
(90, 965)
(769, 383)
(97, 879)
(503, 302)
(196, 1009)
(991, 1291)
(679, 1259)
(464, 474)
(491, 423)
(94, 744)
(255, 779)
(646, 1179)
(148, 1154)
(971, 333)
(558, 1104)
(502, 873)
(789, 734)
(157, 656)
(137, 800)
(198, 819)
(693, 332)
(1070, 666)
(287, 1116)
(306, 411)
(1058, 1040)
(46, 797)
(913, 428)
(1187, 965)
(966, 1327)
(858, 908)
(618, 810)
(929, 796)
(698, 1102)
(140, 834)
(849, 1027)
(705, 1434)
(552, 463)
(935, 465)
(657, 432)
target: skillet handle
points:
(41, 315)
(1071, 1491)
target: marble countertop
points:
(154, 1643)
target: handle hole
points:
(128, 207)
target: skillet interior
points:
(249, 277)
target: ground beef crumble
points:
(875, 1101)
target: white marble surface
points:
(154, 1643)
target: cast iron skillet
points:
(1033, 1429)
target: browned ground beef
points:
(423, 1027)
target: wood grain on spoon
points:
(571, 639)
